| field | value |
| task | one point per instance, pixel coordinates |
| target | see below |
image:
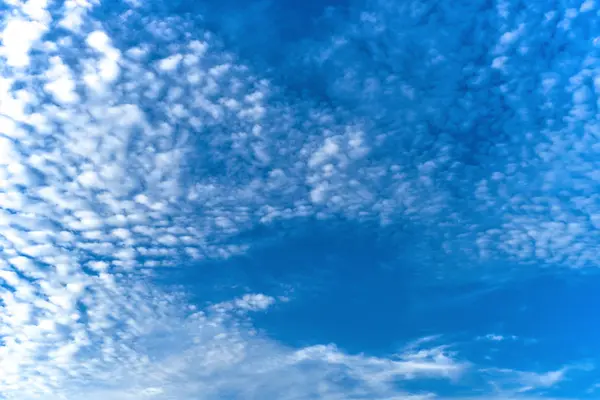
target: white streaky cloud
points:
(222, 359)
(533, 381)
(514, 382)
(432, 363)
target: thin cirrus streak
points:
(116, 160)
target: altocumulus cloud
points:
(119, 158)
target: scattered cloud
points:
(248, 302)
(108, 171)
(492, 337)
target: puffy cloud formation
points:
(118, 159)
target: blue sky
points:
(349, 199)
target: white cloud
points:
(248, 302)
(18, 37)
(492, 337)
(104, 71)
(221, 359)
(514, 382)
(169, 64)
(92, 187)
(74, 13)
(60, 82)
(532, 380)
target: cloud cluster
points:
(119, 159)
(94, 198)
(486, 125)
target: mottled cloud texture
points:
(123, 152)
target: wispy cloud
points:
(515, 382)
(493, 337)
